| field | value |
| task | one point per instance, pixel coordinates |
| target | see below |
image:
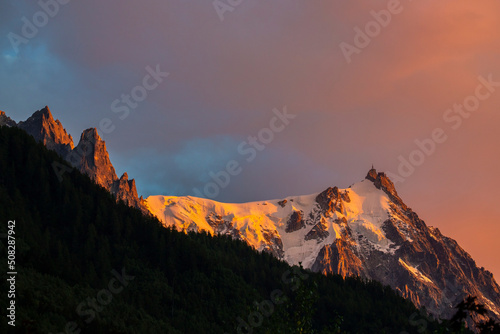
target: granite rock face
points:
(296, 222)
(91, 157)
(6, 120)
(381, 181)
(42, 126)
(125, 190)
(332, 200)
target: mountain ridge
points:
(90, 156)
(365, 230)
(73, 237)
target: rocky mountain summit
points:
(42, 126)
(365, 230)
(5, 120)
(90, 156)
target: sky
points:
(252, 100)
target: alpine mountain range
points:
(365, 230)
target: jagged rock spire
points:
(91, 157)
(42, 126)
(372, 174)
(125, 190)
(382, 181)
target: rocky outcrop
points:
(331, 200)
(319, 232)
(381, 181)
(126, 191)
(218, 223)
(295, 222)
(42, 126)
(338, 258)
(274, 243)
(6, 120)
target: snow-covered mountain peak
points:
(298, 225)
(365, 230)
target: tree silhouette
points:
(475, 311)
